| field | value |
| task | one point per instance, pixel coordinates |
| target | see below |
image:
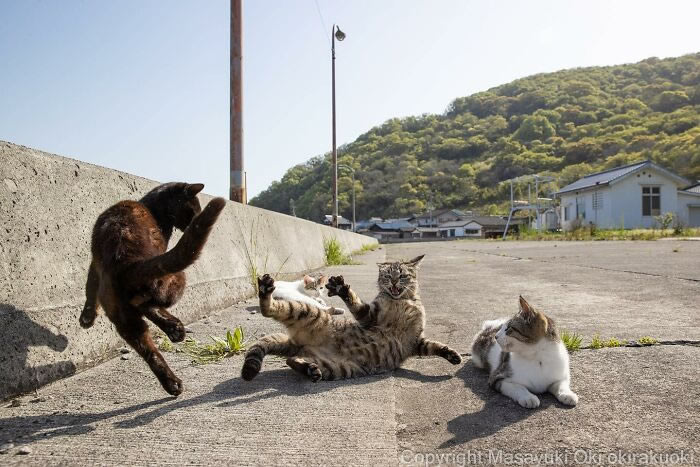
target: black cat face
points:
(185, 205)
(177, 201)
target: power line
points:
(323, 23)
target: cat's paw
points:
(336, 286)
(451, 356)
(173, 385)
(568, 398)
(314, 372)
(87, 317)
(336, 311)
(177, 333)
(529, 401)
(266, 285)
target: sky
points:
(142, 86)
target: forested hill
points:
(566, 124)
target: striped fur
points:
(382, 336)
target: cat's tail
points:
(185, 252)
(483, 341)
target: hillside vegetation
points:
(566, 124)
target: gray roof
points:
(341, 220)
(484, 221)
(402, 225)
(607, 176)
(437, 213)
(693, 188)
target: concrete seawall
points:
(48, 205)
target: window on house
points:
(597, 201)
(651, 201)
(567, 213)
(471, 231)
(581, 208)
(452, 232)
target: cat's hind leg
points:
(92, 285)
(427, 348)
(168, 323)
(134, 331)
(306, 368)
(275, 344)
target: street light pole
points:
(336, 33)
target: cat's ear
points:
(193, 189)
(415, 261)
(526, 310)
(308, 280)
(322, 281)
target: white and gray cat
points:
(524, 355)
(310, 290)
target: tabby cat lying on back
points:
(131, 275)
(524, 355)
(384, 333)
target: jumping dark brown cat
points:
(131, 275)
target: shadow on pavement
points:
(29, 428)
(497, 413)
(19, 334)
(267, 385)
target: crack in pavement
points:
(631, 345)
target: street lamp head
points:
(340, 35)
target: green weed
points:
(334, 253)
(571, 340)
(366, 248)
(165, 344)
(219, 349)
(597, 342)
(646, 340)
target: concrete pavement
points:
(632, 400)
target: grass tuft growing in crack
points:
(334, 253)
(598, 343)
(646, 340)
(571, 340)
(201, 354)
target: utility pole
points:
(237, 181)
(336, 33)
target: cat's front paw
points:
(451, 356)
(87, 317)
(336, 311)
(266, 285)
(529, 401)
(336, 286)
(568, 398)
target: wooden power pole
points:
(237, 190)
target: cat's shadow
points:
(498, 411)
(19, 334)
(267, 385)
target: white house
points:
(434, 218)
(628, 197)
(477, 227)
